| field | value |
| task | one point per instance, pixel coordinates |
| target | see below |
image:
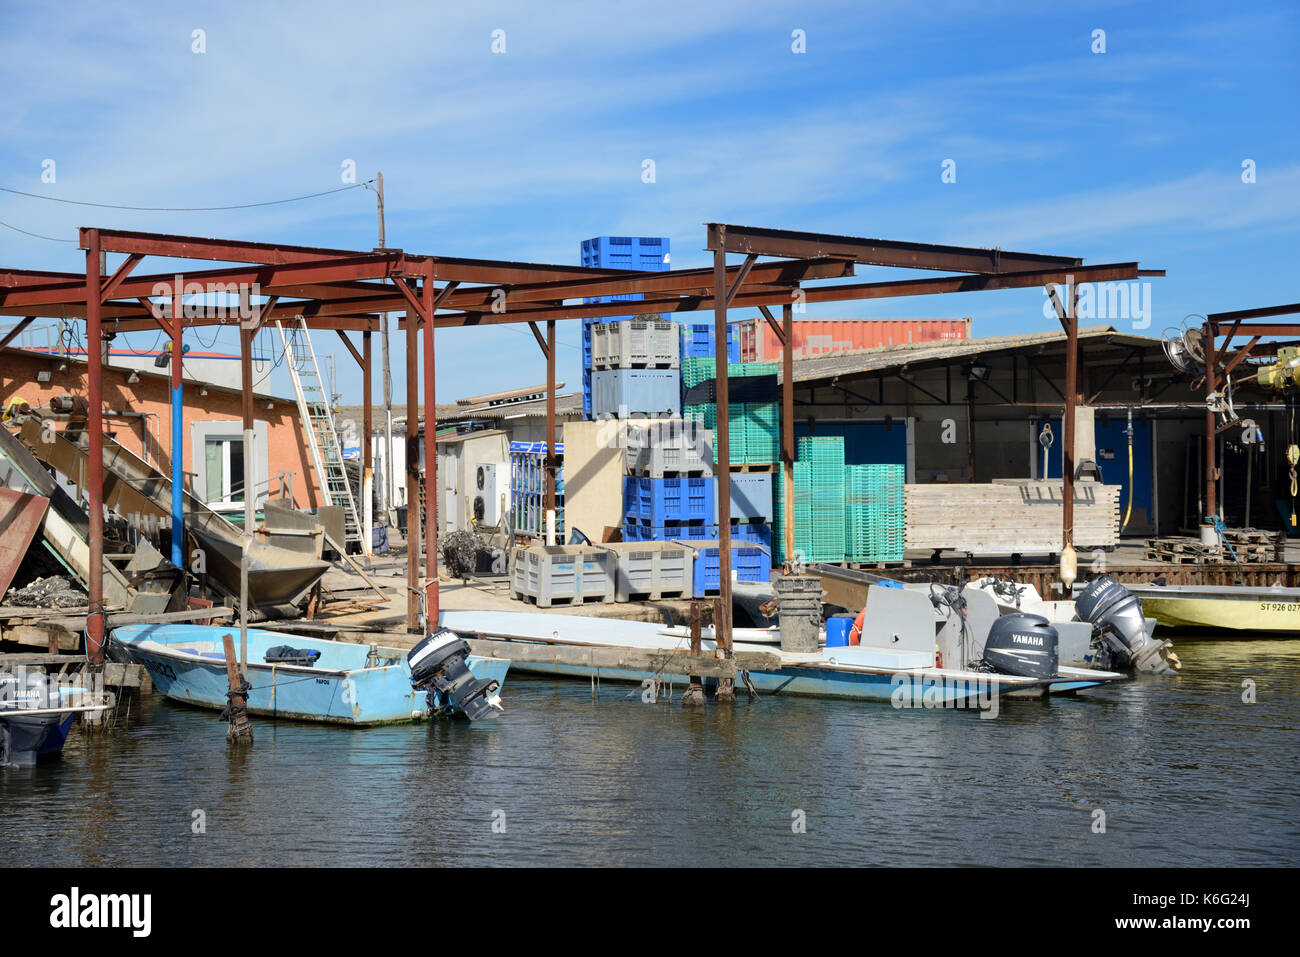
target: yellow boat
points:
(1222, 607)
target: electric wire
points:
(180, 209)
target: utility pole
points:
(390, 491)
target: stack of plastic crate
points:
(650, 253)
(669, 491)
(820, 496)
(874, 520)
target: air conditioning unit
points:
(491, 500)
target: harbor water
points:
(1178, 771)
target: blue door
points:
(1112, 458)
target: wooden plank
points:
(45, 636)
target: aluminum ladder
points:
(318, 424)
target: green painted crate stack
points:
(873, 513)
(819, 499)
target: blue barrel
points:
(837, 630)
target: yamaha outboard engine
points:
(1023, 645)
(438, 667)
(1119, 629)
(24, 736)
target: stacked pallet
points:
(1009, 517)
(873, 513)
(1244, 546)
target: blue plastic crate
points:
(751, 563)
(637, 531)
(697, 341)
(659, 501)
(758, 533)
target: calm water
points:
(1185, 772)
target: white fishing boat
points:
(910, 651)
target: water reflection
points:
(1185, 772)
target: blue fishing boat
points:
(308, 679)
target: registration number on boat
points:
(1279, 606)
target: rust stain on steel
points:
(21, 514)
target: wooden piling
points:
(726, 686)
(694, 694)
(240, 729)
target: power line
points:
(53, 239)
(176, 209)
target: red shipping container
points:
(758, 343)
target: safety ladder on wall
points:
(318, 424)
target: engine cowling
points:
(1023, 645)
(1119, 627)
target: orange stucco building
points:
(137, 415)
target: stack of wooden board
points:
(1009, 517)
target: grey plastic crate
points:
(635, 344)
(546, 574)
(675, 447)
(751, 497)
(622, 393)
(653, 570)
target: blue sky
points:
(1131, 154)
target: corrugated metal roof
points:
(858, 361)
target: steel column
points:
(412, 470)
(367, 462)
(430, 463)
(246, 411)
(178, 431)
(95, 460)
(722, 626)
(787, 423)
(1211, 359)
(1071, 320)
(550, 434)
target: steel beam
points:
(875, 252)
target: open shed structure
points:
(1222, 359)
(346, 291)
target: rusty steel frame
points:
(347, 290)
(1237, 324)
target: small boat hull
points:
(1223, 608)
(344, 687)
(845, 672)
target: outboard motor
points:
(438, 667)
(1023, 645)
(1119, 632)
(23, 737)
